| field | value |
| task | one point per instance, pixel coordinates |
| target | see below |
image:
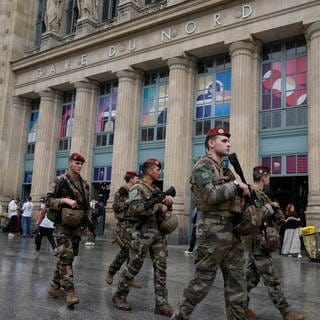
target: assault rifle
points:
(158, 197)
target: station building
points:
(122, 81)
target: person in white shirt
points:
(26, 217)
(13, 209)
(45, 227)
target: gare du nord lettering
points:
(111, 51)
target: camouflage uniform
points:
(146, 238)
(68, 238)
(260, 263)
(218, 244)
(120, 207)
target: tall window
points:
(32, 129)
(213, 94)
(40, 25)
(66, 121)
(72, 15)
(154, 106)
(106, 116)
(109, 10)
(284, 85)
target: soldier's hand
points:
(245, 188)
(164, 209)
(70, 202)
(167, 201)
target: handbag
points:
(71, 217)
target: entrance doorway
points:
(291, 190)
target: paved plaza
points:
(24, 280)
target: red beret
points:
(132, 173)
(218, 132)
(76, 157)
(261, 170)
(154, 161)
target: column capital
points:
(132, 74)
(243, 47)
(18, 101)
(312, 29)
(50, 94)
(87, 84)
(181, 62)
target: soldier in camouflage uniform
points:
(260, 259)
(67, 191)
(125, 226)
(216, 195)
(146, 238)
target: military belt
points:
(217, 217)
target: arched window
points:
(72, 15)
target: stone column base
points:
(313, 210)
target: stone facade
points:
(142, 38)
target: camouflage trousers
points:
(157, 248)
(67, 249)
(260, 266)
(121, 257)
(124, 231)
(217, 247)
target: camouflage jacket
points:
(276, 216)
(212, 187)
(120, 203)
(146, 218)
(64, 186)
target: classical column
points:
(44, 164)
(83, 129)
(13, 173)
(125, 147)
(244, 117)
(313, 208)
(178, 146)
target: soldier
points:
(260, 259)
(215, 190)
(146, 238)
(68, 204)
(124, 227)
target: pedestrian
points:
(260, 259)
(26, 210)
(291, 240)
(45, 227)
(68, 204)
(125, 226)
(147, 238)
(195, 221)
(13, 210)
(215, 190)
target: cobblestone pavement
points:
(24, 280)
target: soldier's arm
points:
(136, 203)
(119, 203)
(215, 193)
(53, 201)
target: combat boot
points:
(71, 298)
(134, 285)
(55, 292)
(250, 314)
(293, 315)
(164, 309)
(121, 303)
(109, 278)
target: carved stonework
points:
(53, 15)
(89, 9)
(127, 10)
